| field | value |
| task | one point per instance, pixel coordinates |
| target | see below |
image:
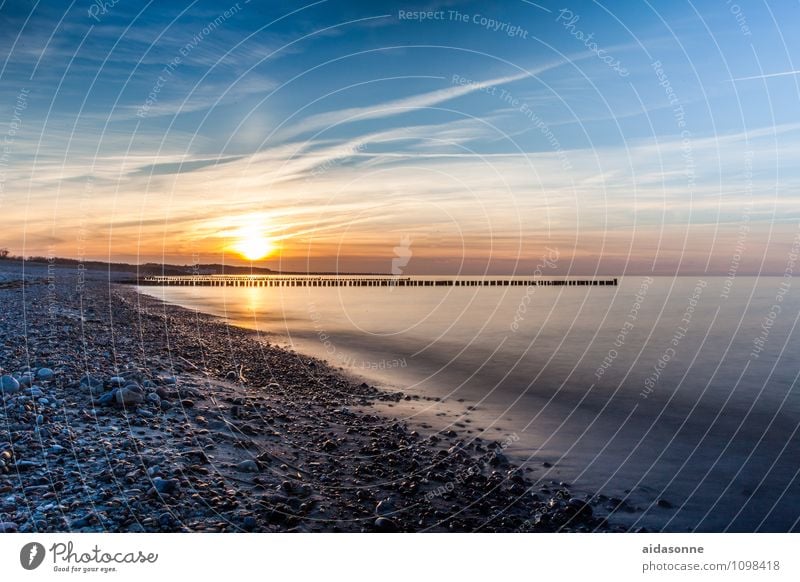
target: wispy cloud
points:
(767, 76)
(321, 121)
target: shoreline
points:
(144, 416)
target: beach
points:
(125, 414)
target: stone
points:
(45, 374)
(8, 527)
(166, 486)
(9, 385)
(117, 381)
(247, 466)
(130, 395)
(108, 398)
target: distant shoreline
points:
(144, 269)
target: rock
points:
(117, 381)
(130, 395)
(384, 524)
(664, 503)
(8, 527)
(247, 466)
(108, 398)
(154, 398)
(166, 486)
(9, 385)
(36, 392)
(45, 374)
(56, 449)
(26, 379)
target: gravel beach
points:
(121, 413)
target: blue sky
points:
(633, 137)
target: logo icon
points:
(31, 555)
(402, 255)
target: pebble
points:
(130, 395)
(247, 466)
(8, 527)
(108, 398)
(9, 384)
(165, 486)
(45, 374)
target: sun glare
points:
(253, 245)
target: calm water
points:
(667, 388)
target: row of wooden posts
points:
(266, 281)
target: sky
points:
(432, 137)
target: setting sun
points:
(252, 244)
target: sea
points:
(676, 398)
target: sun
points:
(253, 245)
